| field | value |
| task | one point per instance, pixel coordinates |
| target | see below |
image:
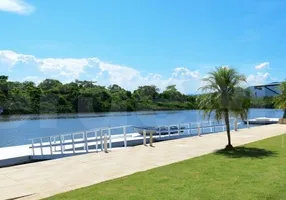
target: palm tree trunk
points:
(226, 118)
(284, 115)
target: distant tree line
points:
(52, 96)
(262, 102)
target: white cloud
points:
(185, 73)
(263, 65)
(16, 6)
(65, 67)
(28, 67)
(69, 69)
(10, 58)
(116, 72)
(259, 78)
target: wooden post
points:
(101, 138)
(169, 131)
(159, 132)
(179, 129)
(235, 125)
(151, 139)
(247, 123)
(33, 149)
(199, 130)
(144, 137)
(124, 134)
(86, 141)
(51, 147)
(41, 143)
(105, 143)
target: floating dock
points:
(99, 140)
(262, 121)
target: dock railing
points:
(102, 139)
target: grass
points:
(253, 171)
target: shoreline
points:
(47, 116)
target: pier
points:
(105, 139)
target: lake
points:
(18, 129)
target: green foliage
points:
(224, 96)
(262, 102)
(52, 96)
(280, 100)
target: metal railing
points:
(102, 139)
(72, 141)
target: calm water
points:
(18, 130)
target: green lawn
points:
(254, 171)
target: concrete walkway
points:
(43, 179)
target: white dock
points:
(263, 121)
(15, 155)
(98, 140)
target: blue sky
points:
(141, 42)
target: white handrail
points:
(33, 147)
(118, 127)
(85, 137)
(86, 141)
(101, 142)
(103, 128)
(61, 142)
(96, 141)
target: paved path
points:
(47, 178)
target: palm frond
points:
(225, 94)
(280, 100)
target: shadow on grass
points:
(246, 152)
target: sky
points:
(142, 42)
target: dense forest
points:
(52, 96)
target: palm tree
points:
(280, 100)
(223, 96)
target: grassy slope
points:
(254, 171)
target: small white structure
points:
(263, 121)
